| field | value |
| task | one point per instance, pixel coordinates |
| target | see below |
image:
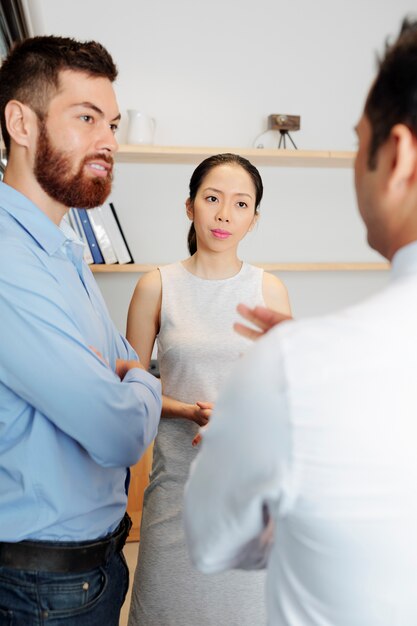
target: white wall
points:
(211, 73)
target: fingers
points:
(245, 331)
(100, 356)
(123, 366)
(202, 420)
(196, 440)
(203, 412)
(256, 315)
(263, 318)
(93, 349)
(205, 405)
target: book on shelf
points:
(90, 236)
(75, 222)
(114, 230)
(102, 236)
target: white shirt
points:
(317, 428)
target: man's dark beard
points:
(53, 172)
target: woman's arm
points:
(199, 412)
(275, 294)
(278, 310)
(144, 315)
(143, 323)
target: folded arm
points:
(49, 366)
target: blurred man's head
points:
(386, 164)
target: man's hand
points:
(122, 367)
(263, 318)
(100, 356)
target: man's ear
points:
(189, 207)
(403, 155)
(21, 122)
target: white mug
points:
(141, 128)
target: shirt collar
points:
(404, 261)
(47, 234)
(74, 247)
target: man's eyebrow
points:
(90, 105)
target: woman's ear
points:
(189, 207)
(21, 123)
(254, 222)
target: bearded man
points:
(76, 406)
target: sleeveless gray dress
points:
(197, 347)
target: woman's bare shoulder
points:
(150, 283)
(275, 293)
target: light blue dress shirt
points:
(69, 427)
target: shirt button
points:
(86, 586)
(45, 614)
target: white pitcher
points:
(141, 128)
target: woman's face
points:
(223, 210)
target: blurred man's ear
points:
(403, 158)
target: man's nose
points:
(107, 140)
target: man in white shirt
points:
(309, 465)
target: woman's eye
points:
(114, 128)
(87, 118)
(211, 198)
(242, 205)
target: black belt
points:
(68, 557)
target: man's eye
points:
(114, 128)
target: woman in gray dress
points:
(189, 307)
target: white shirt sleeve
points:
(236, 482)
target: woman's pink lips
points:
(221, 234)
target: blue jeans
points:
(93, 598)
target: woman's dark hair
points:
(393, 95)
(30, 72)
(201, 172)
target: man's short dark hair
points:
(393, 96)
(30, 72)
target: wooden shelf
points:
(275, 157)
(270, 267)
(281, 158)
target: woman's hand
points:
(201, 412)
(197, 438)
(205, 409)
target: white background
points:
(211, 73)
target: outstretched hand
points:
(263, 318)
